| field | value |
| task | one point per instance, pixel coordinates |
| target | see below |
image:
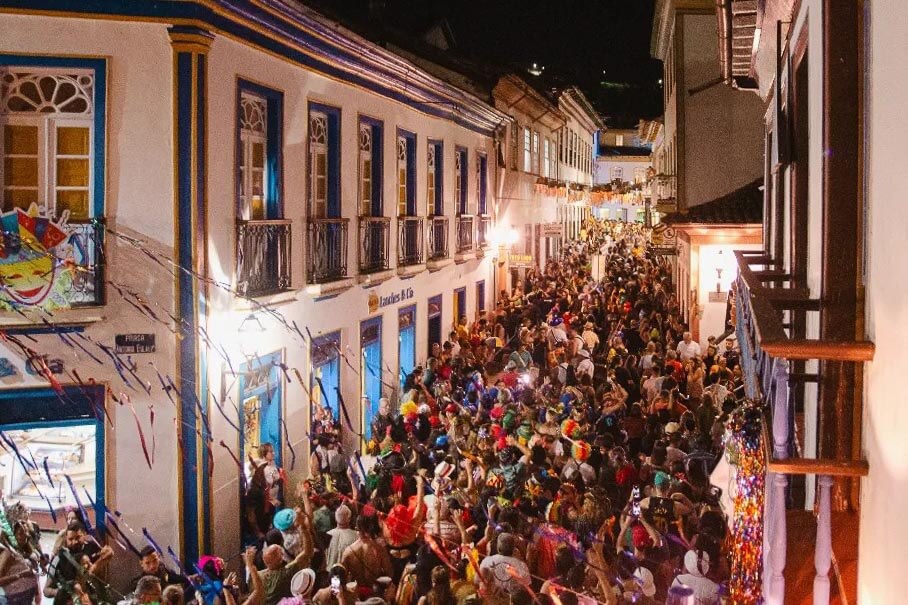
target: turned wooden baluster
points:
(822, 558)
(775, 538)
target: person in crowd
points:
(151, 565)
(532, 462)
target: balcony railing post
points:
(776, 535)
(823, 550)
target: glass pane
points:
(258, 178)
(258, 155)
(258, 208)
(321, 188)
(20, 172)
(72, 141)
(72, 173)
(74, 200)
(321, 165)
(19, 198)
(20, 140)
(68, 451)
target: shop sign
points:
(377, 302)
(131, 344)
(718, 297)
(551, 230)
(520, 261)
(664, 240)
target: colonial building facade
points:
(274, 219)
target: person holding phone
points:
(337, 592)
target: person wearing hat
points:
(301, 586)
(589, 336)
(662, 509)
(342, 536)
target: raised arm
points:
(258, 587)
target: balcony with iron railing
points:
(483, 227)
(410, 230)
(774, 364)
(374, 243)
(262, 257)
(87, 243)
(326, 246)
(438, 238)
(465, 233)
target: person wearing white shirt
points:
(585, 365)
(696, 564)
(687, 348)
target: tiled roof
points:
(742, 206)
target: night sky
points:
(600, 45)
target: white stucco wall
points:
(723, 131)
(139, 202)
(881, 563)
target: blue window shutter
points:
(464, 171)
(334, 203)
(377, 170)
(439, 179)
(275, 128)
(483, 163)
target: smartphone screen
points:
(335, 584)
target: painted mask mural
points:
(36, 261)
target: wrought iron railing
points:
(374, 243)
(464, 232)
(87, 244)
(262, 257)
(438, 237)
(326, 250)
(766, 350)
(483, 226)
(410, 240)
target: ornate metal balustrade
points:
(483, 226)
(438, 237)
(374, 243)
(410, 231)
(262, 257)
(465, 233)
(87, 243)
(326, 250)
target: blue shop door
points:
(329, 374)
(407, 348)
(370, 339)
(261, 393)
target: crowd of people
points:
(556, 450)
